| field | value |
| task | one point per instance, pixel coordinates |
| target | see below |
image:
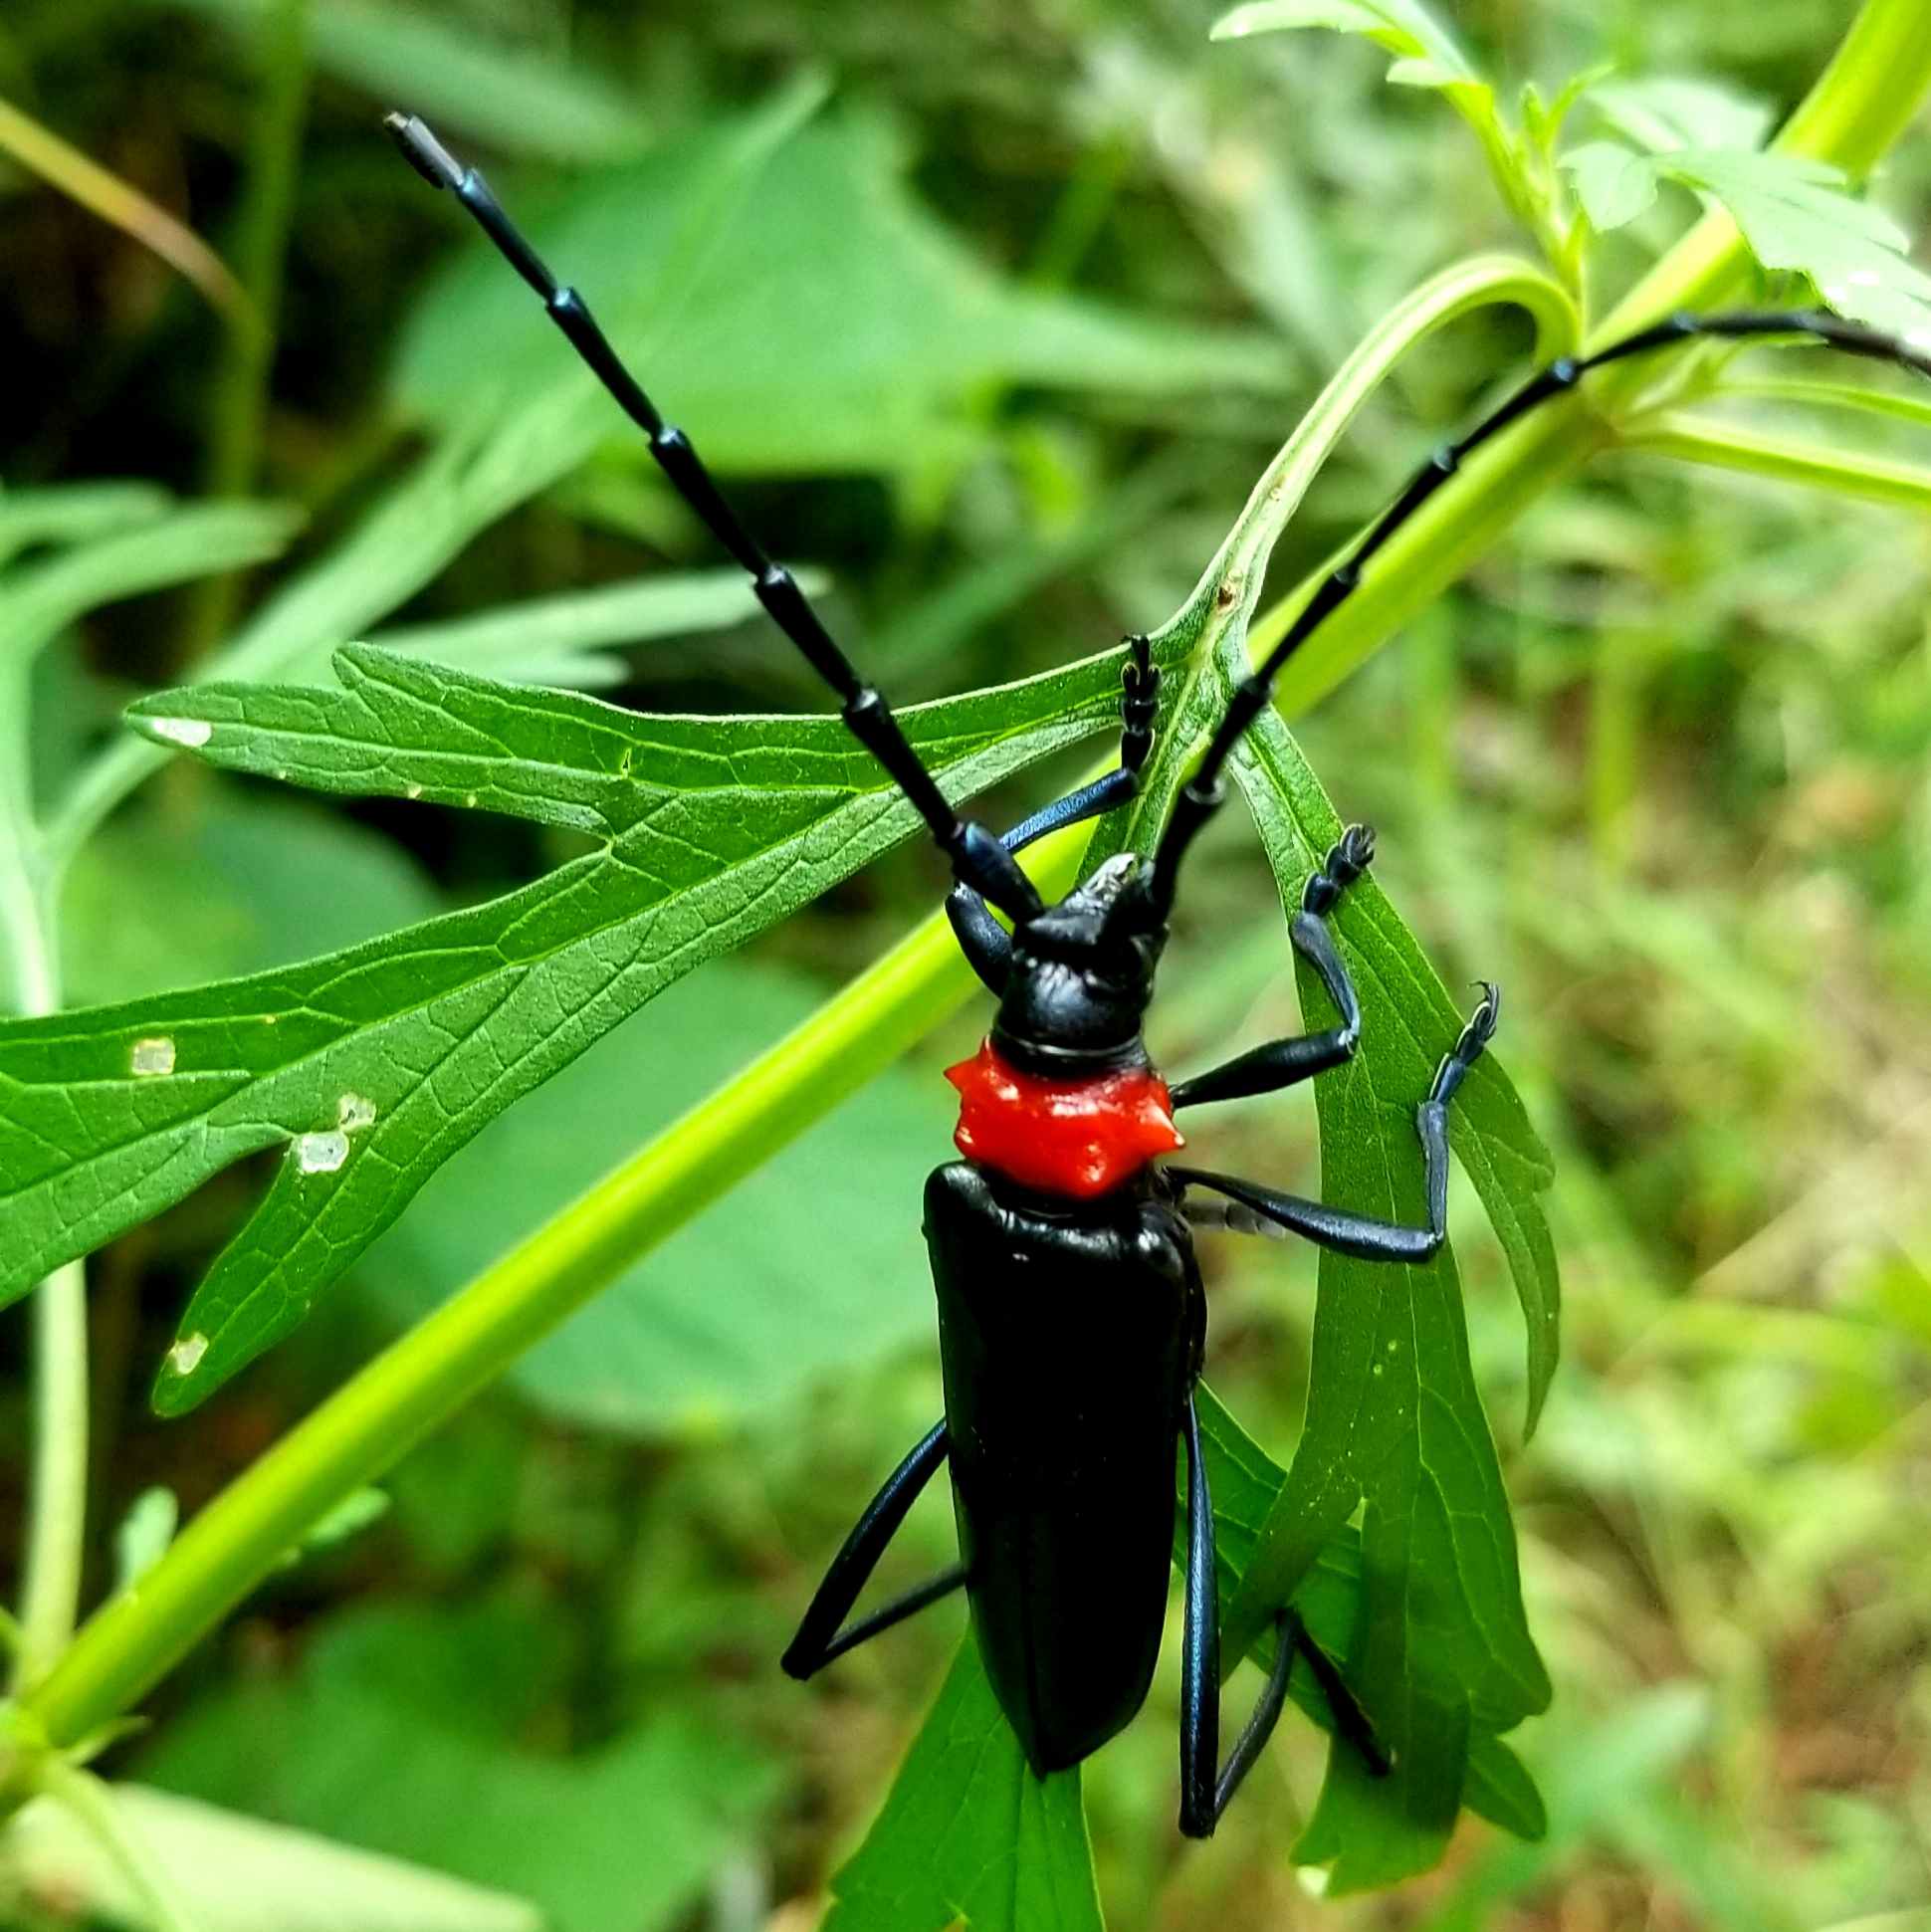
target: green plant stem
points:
(50, 1599)
(240, 403)
(1728, 448)
(93, 1802)
(426, 1376)
(1857, 109)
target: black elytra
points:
(1072, 1324)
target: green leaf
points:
(1402, 26)
(368, 1068)
(968, 1833)
(560, 641)
(238, 1875)
(760, 360)
(1441, 1650)
(75, 512)
(1792, 211)
(1666, 112)
(1613, 184)
(395, 1735)
(815, 1263)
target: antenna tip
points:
(423, 152)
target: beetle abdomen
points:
(1068, 1344)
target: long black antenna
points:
(979, 859)
(1201, 796)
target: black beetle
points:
(1071, 1317)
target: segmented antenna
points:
(979, 859)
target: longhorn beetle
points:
(1071, 1317)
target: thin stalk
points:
(240, 402)
(426, 1376)
(57, 1506)
(93, 1802)
(1726, 446)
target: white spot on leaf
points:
(354, 1112)
(185, 1356)
(146, 1058)
(321, 1153)
(182, 731)
(470, 799)
(1866, 279)
(415, 791)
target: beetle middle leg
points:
(983, 939)
(819, 1638)
(1204, 1790)
(1364, 1235)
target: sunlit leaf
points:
(238, 1875)
(1665, 112)
(1792, 212)
(368, 1068)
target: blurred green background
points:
(1019, 301)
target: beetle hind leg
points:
(1205, 1791)
(820, 1637)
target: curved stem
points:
(1727, 447)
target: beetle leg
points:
(1204, 1795)
(1284, 1063)
(1362, 1234)
(1201, 1647)
(819, 1638)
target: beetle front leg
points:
(985, 942)
(1284, 1063)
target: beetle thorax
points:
(1062, 1097)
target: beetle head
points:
(1081, 977)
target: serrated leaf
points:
(1613, 184)
(969, 1835)
(1792, 211)
(1795, 215)
(814, 1263)
(370, 1067)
